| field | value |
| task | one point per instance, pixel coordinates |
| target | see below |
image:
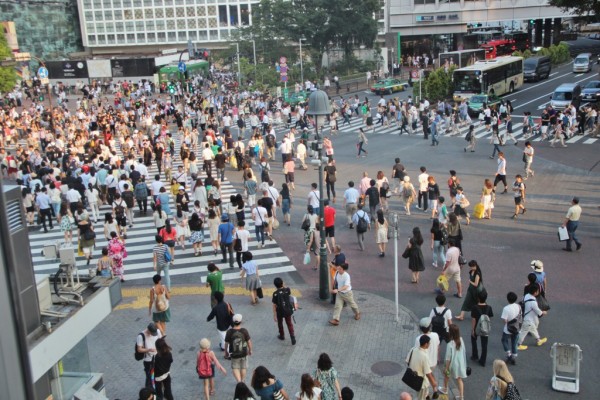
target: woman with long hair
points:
(181, 227)
(242, 392)
(240, 213)
(169, 235)
(213, 227)
(383, 185)
(381, 232)
(308, 389)
(456, 361)
(29, 204)
(500, 382)
(196, 233)
(86, 240)
(266, 385)
(160, 218)
(475, 287)
(117, 252)
(414, 254)
(437, 246)
(162, 369)
(327, 376)
(199, 193)
(487, 198)
(66, 221)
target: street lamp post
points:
(393, 223)
(301, 68)
(182, 80)
(237, 52)
(319, 108)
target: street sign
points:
(182, 67)
(42, 72)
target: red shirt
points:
(329, 216)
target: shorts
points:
(239, 363)
(170, 243)
(518, 200)
(30, 209)
(121, 221)
(330, 231)
(455, 276)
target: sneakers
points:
(541, 341)
(442, 390)
(578, 246)
(522, 347)
(280, 337)
(511, 359)
(334, 322)
(293, 340)
(357, 316)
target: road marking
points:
(590, 141)
(547, 94)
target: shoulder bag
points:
(237, 243)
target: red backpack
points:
(204, 365)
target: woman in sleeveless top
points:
(158, 307)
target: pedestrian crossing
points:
(140, 240)
(480, 131)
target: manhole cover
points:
(386, 368)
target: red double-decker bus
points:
(499, 47)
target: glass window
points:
(121, 38)
(88, 16)
(170, 24)
(160, 25)
(87, 4)
(107, 3)
(149, 13)
(110, 39)
(129, 26)
(141, 38)
(201, 11)
(192, 35)
(149, 25)
(223, 16)
(200, 1)
(110, 27)
(212, 10)
(213, 34)
(170, 13)
(202, 23)
(161, 36)
(91, 27)
(171, 37)
(234, 19)
(212, 23)
(190, 11)
(117, 4)
(244, 14)
(151, 36)
(99, 28)
(128, 14)
(127, 4)
(421, 2)
(168, 2)
(97, 4)
(191, 23)
(202, 35)
(98, 15)
(182, 36)
(101, 40)
(92, 39)
(179, 2)
(118, 14)
(159, 12)
(108, 15)
(139, 26)
(131, 38)
(180, 12)
(137, 3)
(139, 13)
(119, 26)
(224, 34)
(180, 23)
(158, 2)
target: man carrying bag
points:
(418, 375)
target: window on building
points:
(110, 27)
(244, 14)
(108, 15)
(131, 38)
(182, 36)
(92, 39)
(223, 16)
(213, 34)
(171, 37)
(192, 35)
(234, 19)
(97, 4)
(137, 3)
(170, 13)
(101, 39)
(117, 4)
(224, 34)
(161, 36)
(99, 28)
(141, 38)
(202, 36)
(139, 26)
(87, 4)
(129, 27)
(120, 38)
(168, 2)
(98, 16)
(88, 16)
(126, 3)
(422, 2)
(158, 2)
(91, 27)
(118, 14)
(150, 25)
(160, 25)
(119, 26)
(110, 39)
(151, 36)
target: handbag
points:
(237, 243)
(275, 224)
(305, 224)
(89, 235)
(406, 253)
(259, 291)
(265, 224)
(306, 260)
(411, 378)
(462, 260)
(542, 302)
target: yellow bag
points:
(442, 282)
(233, 162)
(478, 211)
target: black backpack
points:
(128, 198)
(239, 345)
(284, 303)
(119, 210)
(362, 225)
(438, 324)
(140, 356)
(444, 232)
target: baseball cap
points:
(153, 329)
(425, 322)
(237, 318)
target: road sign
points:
(42, 72)
(182, 67)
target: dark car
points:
(591, 91)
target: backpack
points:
(264, 173)
(406, 192)
(369, 121)
(140, 356)
(362, 225)
(484, 325)
(468, 137)
(438, 324)
(119, 210)
(204, 366)
(128, 198)
(284, 303)
(444, 233)
(239, 345)
(512, 393)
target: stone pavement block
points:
(368, 354)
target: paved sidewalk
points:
(368, 354)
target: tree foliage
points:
(437, 85)
(324, 24)
(578, 7)
(8, 76)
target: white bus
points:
(498, 76)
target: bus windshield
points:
(467, 82)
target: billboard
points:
(73, 69)
(132, 67)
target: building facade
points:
(150, 24)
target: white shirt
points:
(243, 235)
(501, 166)
(260, 215)
(155, 187)
(150, 344)
(447, 315)
(313, 198)
(73, 196)
(207, 154)
(432, 351)
(423, 181)
(273, 193)
(509, 313)
(343, 280)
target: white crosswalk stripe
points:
(392, 129)
(140, 240)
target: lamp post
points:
(182, 80)
(237, 52)
(301, 68)
(393, 225)
(319, 108)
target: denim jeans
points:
(164, 268)
(439, 257)
(514, 339)
(571, 228)
(259, 230)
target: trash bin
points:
(565, 367)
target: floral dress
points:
(65, 223)
(327, 380)
(117, 252)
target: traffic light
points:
(41, 97)
(171, 88)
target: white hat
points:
(237, 318)
(537, 266)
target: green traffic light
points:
(41, 98)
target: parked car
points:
(477, 101)
(591, 91)
(388, 86)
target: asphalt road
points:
(504, 247)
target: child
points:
(205, 367)
(104, 267)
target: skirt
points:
(162, 316)
(252, 282)
(382, 235)
(196, 237)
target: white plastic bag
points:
(306, 258)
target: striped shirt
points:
(159, 251)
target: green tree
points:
(8, 76)
(578, 7)
(437, 85)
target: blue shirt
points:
(351, 195)
(101, 176)
(226, 232)
(43, 201)
(266, 393)
(360, 214)
(249, 267)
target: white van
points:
(582, 63)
